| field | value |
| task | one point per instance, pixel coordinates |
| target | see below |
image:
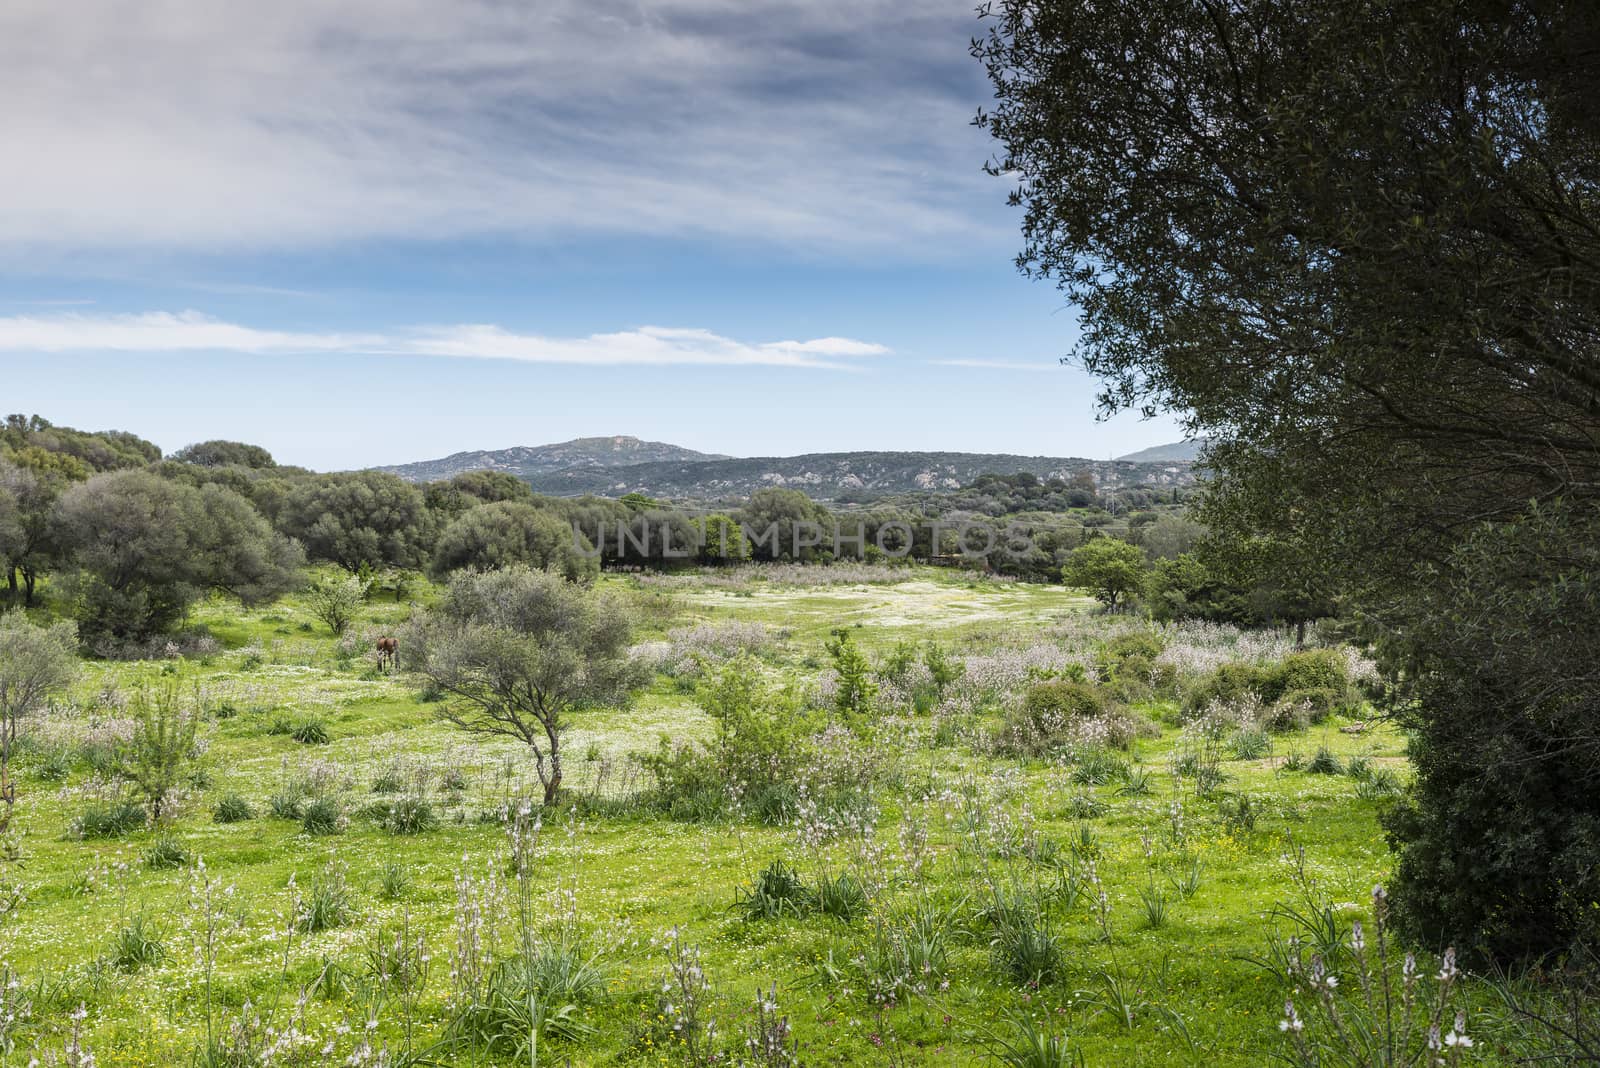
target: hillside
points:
(533, 461)
(1175, 452)
(827, 475)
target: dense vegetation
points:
(1358, 242)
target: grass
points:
(634, 876)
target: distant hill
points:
(1176, 452)
(611, 467)
(533, 461)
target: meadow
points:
(967, 875)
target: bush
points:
(777, 891)
(166, 852)
(136, 946)
(1325, 763)
(327, 905)
(409, 815)
(111, 819)
(311, 732)
(1054, 700)
(287, 804)
(1311, 669)
(232, 809)
(322, 817)
(843, 897)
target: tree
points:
(782, 521)
(519, 650)
(367, 518)
(854, 691)
(1359, 244)
(26, 548)
(36, 663)
(722, 540)
(507, 533)
(142, 549)
(1108, 568)
(336, 601)
(159, 751)
(225, 454)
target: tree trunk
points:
(552, 785)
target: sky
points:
(380, 231)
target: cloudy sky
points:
(375, 231)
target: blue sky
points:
(392, 229)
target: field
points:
(1191, 833)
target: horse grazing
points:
(388, 649)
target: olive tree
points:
(516, 650)
(36, 663)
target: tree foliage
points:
(519, 649)
(366, 518)
(1360, 244)
(508, 533)
(142, 549)
(1109, 568)
(36, 664)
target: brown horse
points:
(388, 649)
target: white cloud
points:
(236, 123)
(1000, 365)
(190, 331)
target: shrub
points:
(1299, 709)
(166, 852)
(777, 891)
(136, 946)
(842, 897)
(287, 804)
(311, 732)
(394, 881)
(409, 815)
(232, 809)
(1311, 669)
(1053, 700)
(1325, 763)
(322, 816)
(326, 905)
(111, 819)
(1249, 743)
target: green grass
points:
(635, 876)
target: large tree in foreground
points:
(517, 650)
(1360, 243)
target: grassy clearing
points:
(1171, 985)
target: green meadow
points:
(294, 908)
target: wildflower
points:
(1447, 968)
(1291, 1020)
(1458, 1034)
(1358, 939)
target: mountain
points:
(831, 475)
(533, 461)
(1177, 452)
(611, 467)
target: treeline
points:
(130, 540)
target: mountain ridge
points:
(613, 467)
